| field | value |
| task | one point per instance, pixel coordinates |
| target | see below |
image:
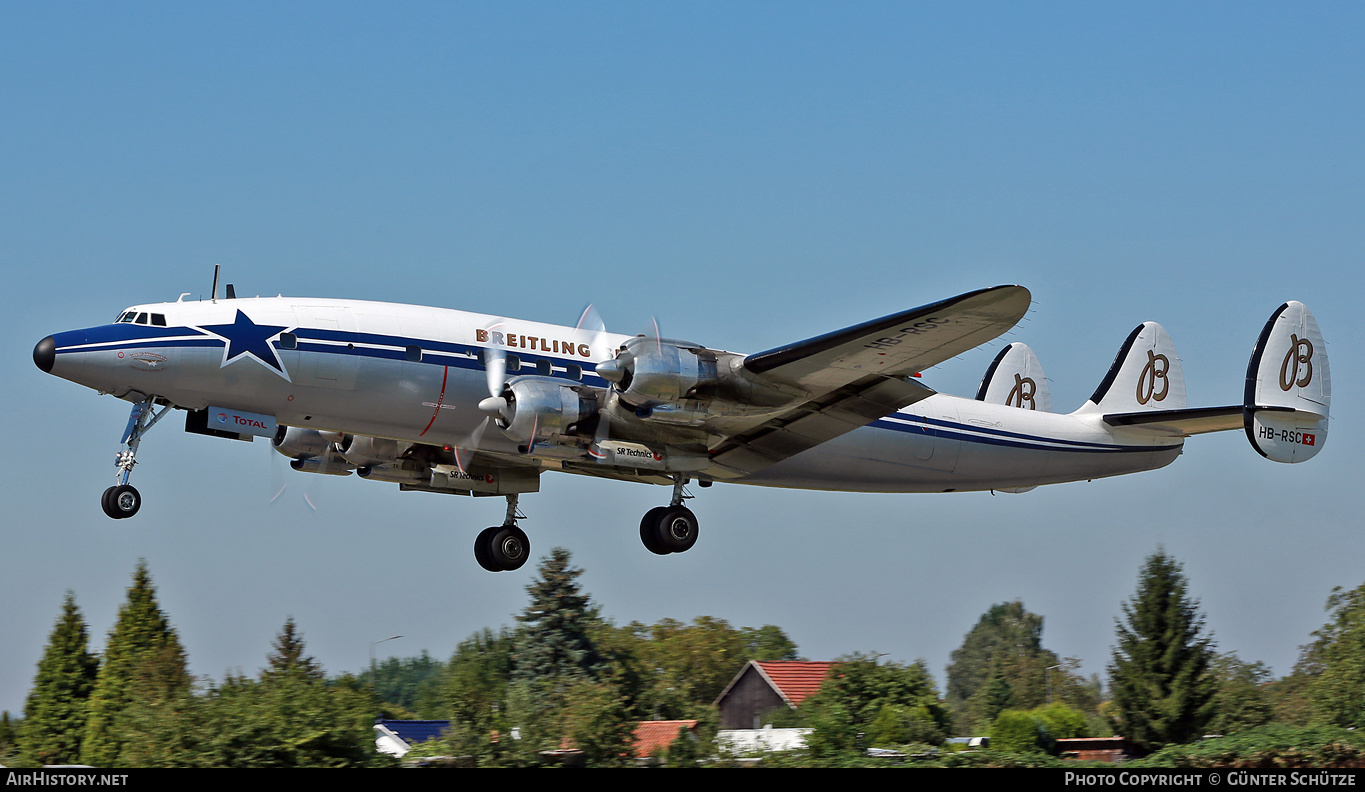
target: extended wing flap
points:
(902, 343)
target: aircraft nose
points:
(45, 354)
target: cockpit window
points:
(159, 320)
(127, 316)
(142, 318)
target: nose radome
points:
(45, 354)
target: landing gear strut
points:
(505, 547)
(672, 528)
(123, 500)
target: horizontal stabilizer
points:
(1181, 423)
(1015, 379)
(1288, 387)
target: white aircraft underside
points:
(448, 401)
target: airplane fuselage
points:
(417, 374)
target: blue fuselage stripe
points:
(125, 336)
(932, 427)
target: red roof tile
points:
(651, 736)
(795, 680)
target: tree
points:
(474, 688)
(1334, 664)
(596, 722)
(1159, 670)
(141, 635)
(56, 710)
(9, 737)
(561, 683)
(411, 684)
(848, 712)
(287, 655)
(287, 717)
(1017, 731)
(768, 644)
(555, 640)
(1002, 665)
(676, 670)
(1241, 700)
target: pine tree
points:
(55, 713)
(1160, 668)
(554, 641)
(287, 656)
(143, 649)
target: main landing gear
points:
(505, 547)
(664, 530)
(671, 528)
(123, 500)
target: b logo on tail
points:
(1146, 385)
(1289, 377)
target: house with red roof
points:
(761, 687)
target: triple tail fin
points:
(1284, 409)
(1288, 387)
(1146, 376)
(1015, 378)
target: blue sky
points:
(750, 174)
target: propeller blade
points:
(591, 327)
(471, 446)
(535, 424)
(495, 366)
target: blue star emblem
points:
(246, 338)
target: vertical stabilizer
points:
(1146, 375)
(1015, 378)
(1288, 387)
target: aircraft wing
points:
(859, 374)
(903, 343)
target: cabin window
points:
(543, 368)
(513, 362)
(289, 341)
(573, 371)
(414, 354)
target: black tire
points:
(509, 548)
(482, 544)
(677, 529)
(123, 502)
(106, 503)
(649, 531)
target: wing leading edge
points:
(899, 344)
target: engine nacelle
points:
(329, 463)
(297, 443)
(403, 471)
(649, 372)
(364, 451)
(544, 409)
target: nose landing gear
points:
(123, 500)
